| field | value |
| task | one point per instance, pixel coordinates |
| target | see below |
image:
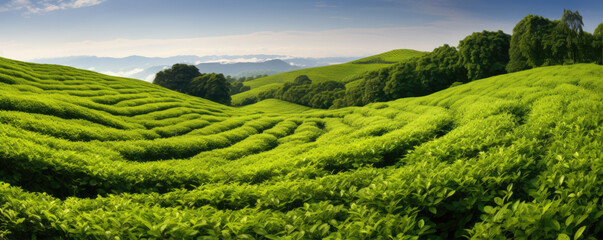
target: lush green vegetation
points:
(536, 42)
(90, 156)
(276, 106)
(303, 91)
(187, 79)
(237, 86)
(344, 73)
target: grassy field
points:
(345, 72)
(392, 56)
(90, 156)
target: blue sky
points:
(118, 28)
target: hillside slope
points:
(345, 72)
(85, 155)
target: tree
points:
(438, 69)
(527, 49)
(598, 43)
(211, 86)
(403, 81)
(301, 80)
(573, 22)
(374, 83)
(237, 87)
(484, 54)
(325, 99)
(177, 77)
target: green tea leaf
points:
(579, 232)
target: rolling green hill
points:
(345, 72)
(90, 156)
(276, 106)
(392, 56)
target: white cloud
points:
(123, 73)
(41, 6)
(331, 43)
(234, 60)
(80, 3)
(150, 78)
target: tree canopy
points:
(536, 41)
(177, 77)
(187, 79)
(211, 86)
(485, 54)
(598, 43)
(302, 91)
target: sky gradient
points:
(33, 29)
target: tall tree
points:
(237, 87)
(598, 43)
(177, 77)
(527, 49)
(573, 22)
(484, 54)
(211, 86)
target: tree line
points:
(304, 92)
(212, 86)
(536, 42)
(236, 84)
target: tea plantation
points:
(89, 156)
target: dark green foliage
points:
(439, 69)
(419, 76)
(528, 47)
(238, 87)
(598, 43)
(572, 27)
(211, 86)
(415, 77)
(352, 96)
(187, 79)
(538, 41)
(302, 91)
(301, 80)
(572, 20)
(248, 101)
(484, 54)
(177, 77)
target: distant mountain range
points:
(233, 69)
(145, 68)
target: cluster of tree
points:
(232, 79)
(302, 91)
(536, 42)
(187, 79)
(237, 86)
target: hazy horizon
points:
(35, 29)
